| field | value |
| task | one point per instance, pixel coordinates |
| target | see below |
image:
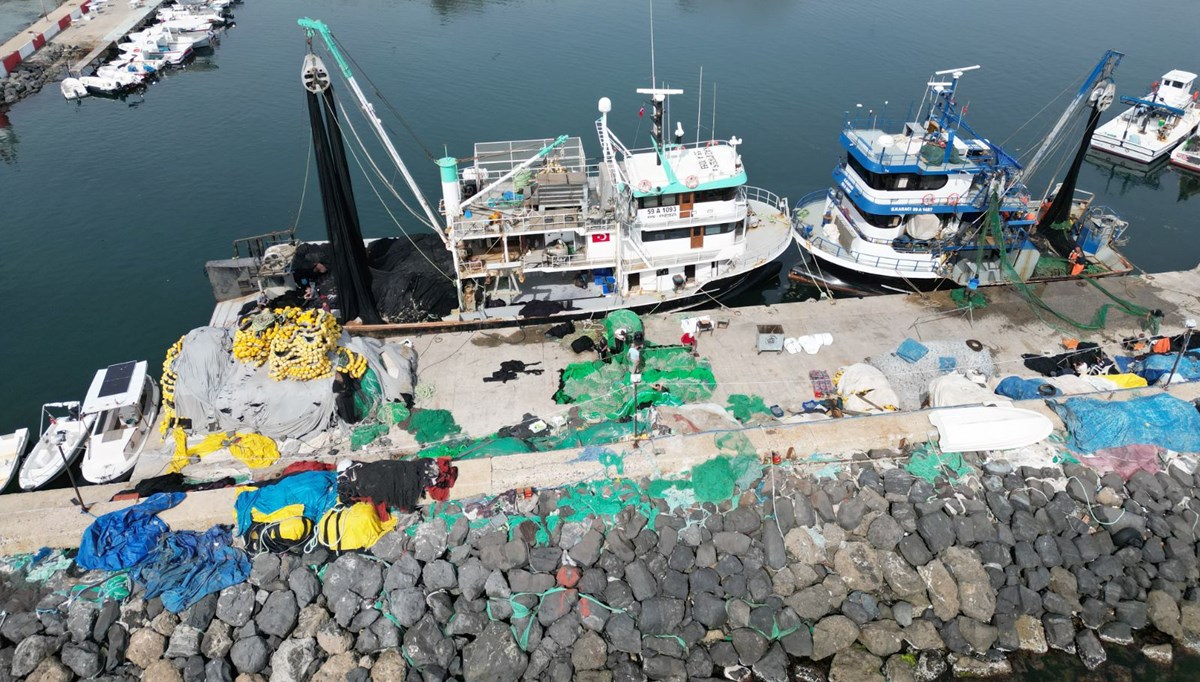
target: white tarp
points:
(923, 226)
(864, 388)
(956, 389)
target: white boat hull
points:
(12, 446)
(993, 427)
(57, 450)
(72, 88)
(1185, 158)
(112, 454)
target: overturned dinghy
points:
(996, 426)
(73, 88)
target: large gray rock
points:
(185, 642)
(217, 640)
(943, 591)
(640, 580)
(749, 645)
(304, 584)
(279, 614)
(236, 604)
(407, 605)
(937, 530)
(881, 638)
(506, 556)
(774, 550)
(353, 573)
(831, 635)
(81, 618)
(900, 576)
(884, 532)
(1090, 650)
(858, 566)
(729, 542)
(439, 575)
(429, 540)
(1163, 612)
(83, 659)
(292, 660)
(1031, 636)
(145, 647)
(589, 652)
(218, 670)
(250, 655)
(801, 545)
(661, 616)
(976, 597)
(856, 665)
(811, 603)
(472, 576)
(981, 637)
(494, 656)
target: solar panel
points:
(116, 379)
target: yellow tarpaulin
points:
(254, 450)
(354, 527)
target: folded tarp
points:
(124, 538)
(1025, 389)
(314, 491)
(186, 566)
(911, 350)
(1155, 367)
(1161, 419)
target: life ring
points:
(927, 200)
(711, 143)
(952, 200)
(1024, 200)
(644, 185)
(692, 181)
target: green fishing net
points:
(928, 462)
(744, 407)
(430, 426)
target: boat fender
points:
(952, 200)
(644, 185)
(692, 181)
(927, 200)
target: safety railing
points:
(254, 247)
(902, 265)
(766, 197)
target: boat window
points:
(741, 230)
(664, 235)
(726, 194)
(887, 181)
(723, 228)
(933, 181)
(881, 221)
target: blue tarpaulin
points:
(1025, 389)
(122, 539)
(1161, 419)
(911, 350)
(186, 566)
(1155, 367)
(316, 490)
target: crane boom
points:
(314, 27)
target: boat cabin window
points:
(656, 201)
(726, 194)
(882, 221)
(896, 181)
(664, 235)
(723, 228)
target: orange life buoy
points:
(711, 143)
(927, 200)
(952, 200)
(692, 181)
(644, 185)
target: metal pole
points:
(1187, 337)
(71, 476)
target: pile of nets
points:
(927, 462)
(910, 380)
(295, 344)
(670, 375)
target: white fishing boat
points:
(12, 446)
(124, 78)
(100, 85)
(157, 43)
(1153, 124)
(73, 88)
(534, 230)
(62, 444)
(199, 31)
(184, 12)
(927, 201)
(123, 401)
(1187, 155)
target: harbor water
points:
(109, 208)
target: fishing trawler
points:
(926, 201)
(1153, 125)
(534, 230)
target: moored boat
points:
(61, 445)
(1153, 124)
(924, 202)
(123, 402)
(73, 88)
(12, 447)
(1187, 155)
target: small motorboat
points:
(1187, 155)
(60, 447)
(73, 88)
(99, 85)
(12, 446)
(123, 403)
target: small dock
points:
(110, 22)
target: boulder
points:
(145, 647)
(292, 660)
(943, 591)
(494, 656)
(833, 634)
(856, 665)
(858, 566)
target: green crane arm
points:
(316, 27)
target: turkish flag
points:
(603, 237)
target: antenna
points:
(699, 103)
(957, 72)
(653, 82)
(713, 133)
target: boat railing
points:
(765, 197)
(894, 155)
(883, 262)
(1124, 143)
(671, 146)
(255, 247)
(738, 213)
(689, 258)
(927, 201)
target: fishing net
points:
(927, 462)
(968, 299)
(362, 436)
(670, 375)
(430, 426)
(744, 407)
(622, 319)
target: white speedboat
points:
(12, 446)
(72, 88)
(123, 401)
(1154, 124)
(60, 447)
(125, 79)
(199, 31)
(157, 43)
(1187, 155)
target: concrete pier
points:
(454, 365)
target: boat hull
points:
(12, 447)
(46, 466)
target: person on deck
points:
(1077, 261)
